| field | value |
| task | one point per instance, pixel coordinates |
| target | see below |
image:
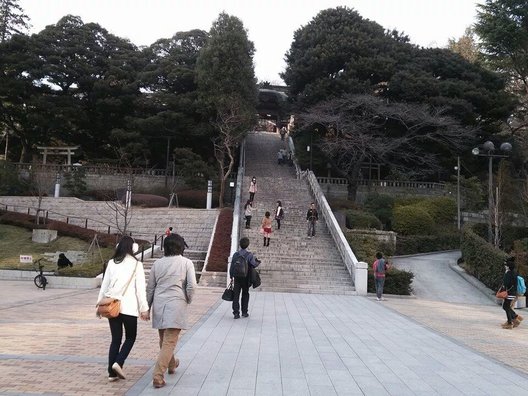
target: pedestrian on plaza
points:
(168, 231)
(241, 284)
(380, 267)
(124, 279)
(248, 210)
(170, 290)
(509, 283)
(279, 214)
(312, 216)
(266, 228)
(252, 188)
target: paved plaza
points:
(292, 344)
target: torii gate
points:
(68, 150)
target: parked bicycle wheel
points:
(40, 281)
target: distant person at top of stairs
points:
(312, 216)
(266, 228)
(279, 214)
(283, 133)
(248, 213)
(252, 188)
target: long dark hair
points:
(247, 203)
(124, 247)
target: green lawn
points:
(16, 241)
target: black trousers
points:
(241, 285)
(510, 313)
(117, 352)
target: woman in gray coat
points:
(170, 290)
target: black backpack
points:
(239, 266)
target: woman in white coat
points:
(122, 270)
(170, 290)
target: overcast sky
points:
(270, 24)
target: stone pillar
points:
(209, 202)
(360, 278)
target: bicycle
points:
(40, 280)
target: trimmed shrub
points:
(221, 246)
(482, 260)
(443, 210)
(337, 204)
(412, 220)
(149, 200)
(195, 199)
(397, 282)
(413, 244)
(381, 206)
(361, 219)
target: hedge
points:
(221, 246)
(397, 282)
(481, 259)
(413, 244)
(361, 219)
(412, 220)
(443, 210)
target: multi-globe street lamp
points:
(488, 149)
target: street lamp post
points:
(489, 148)
(457, 168)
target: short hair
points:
(280, 203)
(244, 243)
(267, 214)
(173, 245)
(170, 228)
(379, 255)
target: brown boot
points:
(507, 326)
(158, 383)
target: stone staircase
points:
(197, 257)
(292, 262)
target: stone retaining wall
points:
(58, 282)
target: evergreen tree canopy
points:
(12, 19)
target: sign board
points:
(26, 258)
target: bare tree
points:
(227, 140)
(40, 183)
(410, 138)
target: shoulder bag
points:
(229, 294)
(110, 307)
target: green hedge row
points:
(362, 219)
(413, 244)
(396, 282)
(481, 259)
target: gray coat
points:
(170, 290)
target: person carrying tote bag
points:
(509, 282)
(124, 279)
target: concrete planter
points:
(41, 235)
(59, 282)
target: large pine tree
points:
(12, 19)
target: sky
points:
(270, 24)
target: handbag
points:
(229, 294)
(255, 278)
(110, 307)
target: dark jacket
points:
(312, 215)
(509, 281)
(252, 261)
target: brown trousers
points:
(168, 339)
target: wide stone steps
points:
(197, 257)
(293, 262)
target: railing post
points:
(142, 252)
(85, 223)
(108, 229)
(67, 220)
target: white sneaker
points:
(118, 370)
(377, 298)
(113, 379)
(383, 299)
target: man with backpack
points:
(380, 266)
(242, 263)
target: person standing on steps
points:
(252, 188)
(509, 283)
(248, 210)
(241, 284)
(266, 228)
(279, 214)
(312, 216)
(380, 266)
